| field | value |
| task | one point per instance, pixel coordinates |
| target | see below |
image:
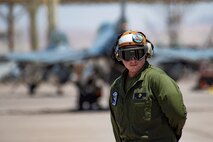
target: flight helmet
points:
(132, 44)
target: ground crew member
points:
(146, 105)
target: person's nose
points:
(132, 59)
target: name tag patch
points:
(140, 96)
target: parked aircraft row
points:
(62, 63)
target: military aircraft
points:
(58, 55)
(60, 61)
(175, 61)
(42, 65)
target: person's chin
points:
(134, 69)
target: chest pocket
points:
(141, 107)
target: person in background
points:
(146, 105)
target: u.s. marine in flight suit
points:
(146, 105)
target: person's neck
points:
(132, 74)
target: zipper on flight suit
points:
(127, 106)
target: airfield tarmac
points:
(47, 117)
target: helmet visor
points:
(128, 54)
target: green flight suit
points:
(152, 110)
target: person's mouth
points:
(133, 64)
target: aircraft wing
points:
(57, 55)
(103, 45)
(188, 54)
(174, 60)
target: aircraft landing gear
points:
(89, 94)
(32, 89)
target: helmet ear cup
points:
(115, 49)
(118, 57)
(150, 49)
(117, 54)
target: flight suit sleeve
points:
(171, 102)
(114, 123)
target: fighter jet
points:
(42, 65)
(175, 61)
(59, 58)
(59, 55)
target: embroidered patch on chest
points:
(114, 98)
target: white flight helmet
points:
(133, 40)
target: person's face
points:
(133, 65)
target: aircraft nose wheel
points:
(88, 98)
(32, 89)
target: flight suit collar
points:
(142, 73)
(144, 70)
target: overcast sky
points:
(84, 19)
